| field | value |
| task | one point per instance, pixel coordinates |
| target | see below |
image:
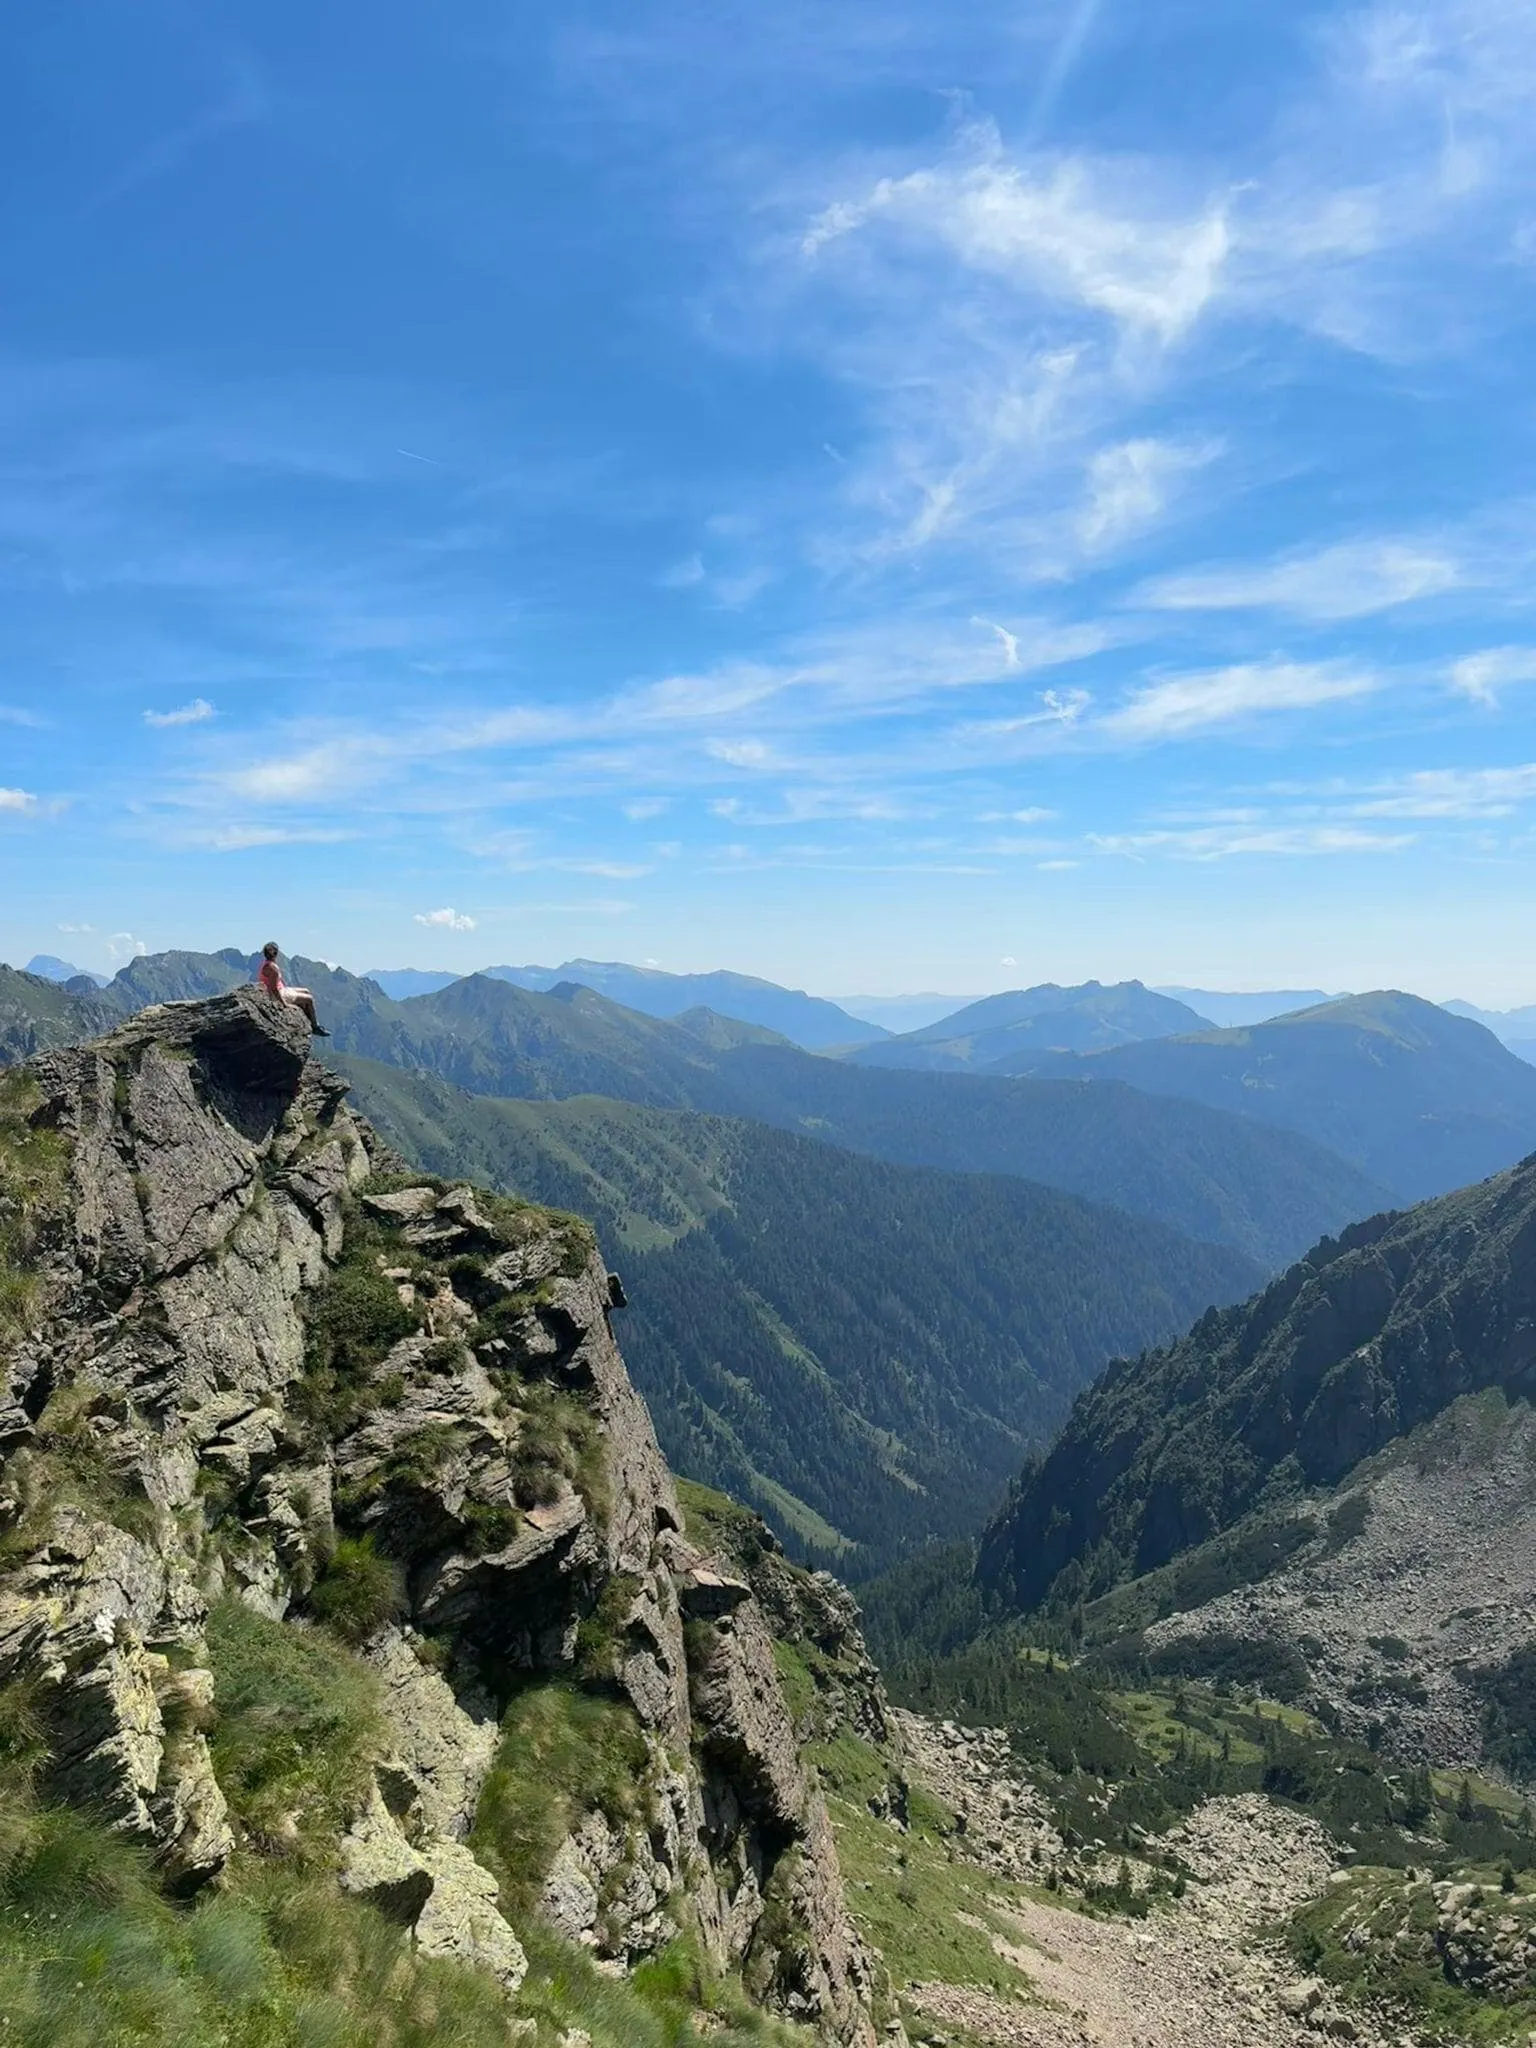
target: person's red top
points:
(269, 977)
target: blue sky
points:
(879, 495)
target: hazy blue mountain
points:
(1514, 1027)
(903, 1013)
(49, 967)
(865, 1351)
(403, 982)
(808, 1021)
(1225, 1008)
(1422, 1101)
(1364, 1339)
(1000, 1032)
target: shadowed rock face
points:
(219, 1202)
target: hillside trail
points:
(1200, 1972)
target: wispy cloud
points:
(1451, 793)
(1225, 842)
(1485, 675)
(446, 919)
(1130, 484)
(1348, 581)
(1068, 230)
(17, 800)
(243, 102)
(1187, 704)
(195, 713)
(14, 714)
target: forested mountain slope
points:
(865, 1350)
(1367, 1337)
(1044, 1019)
(1420, 1100)
(1205, 1173)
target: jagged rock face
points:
(251, 1369)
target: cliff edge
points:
(283, 1423)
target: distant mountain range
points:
(1222, 1007)
(808, 1021)
(1207, 1174)
(49, 967)
(864, 1350)
(1420, 1100)
(1517, 1028)
(994, 1034)
(903, 1013)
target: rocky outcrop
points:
(262, 1364)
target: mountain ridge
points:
(1421, 1100)
(1371, 1334)
(1205, 1173)
(984, 1035)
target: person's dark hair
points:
(269, 950)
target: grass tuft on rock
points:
(298, 1729)
(563, 1752)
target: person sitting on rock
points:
(269, 976)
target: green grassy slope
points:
(864, 1350)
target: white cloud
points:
(242, 838)
(1129, 486)
(194, 713)
(317, 771)
(1451, 793)
(646, 807)
(77, 930)
(1223, 842)
(1052, 867)
(741, 753)
(1056, 707)
(1008, 961)
(1483, 675)
(1349, 581)
(446, 920)
(1009, 642)
(684, 575)
(124, 946)
(1067, 230)
(13, 714)
(1195, 703)
(17, 800)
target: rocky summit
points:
(337, 1545)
